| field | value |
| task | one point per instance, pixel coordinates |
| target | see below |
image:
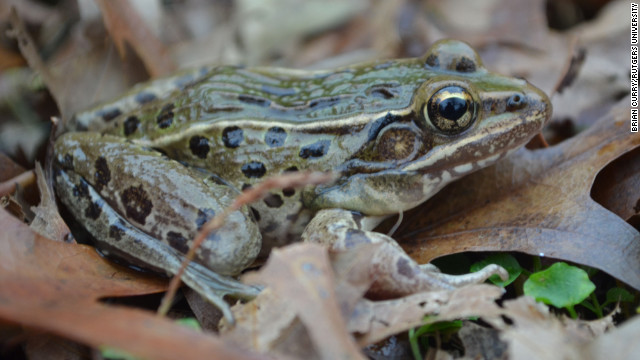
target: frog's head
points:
(462, 118)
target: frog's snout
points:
(538, 105)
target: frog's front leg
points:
(396, 274)
(147, 207)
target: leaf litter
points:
(534, 202)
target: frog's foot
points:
(395, 273)
(118, 236)
(472, 278)
(214, 287)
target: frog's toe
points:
(215, 287)
(472, 278)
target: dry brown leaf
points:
(271, 322)
(532, 332)
(47, 221)
(268, 324)
(482, 342)
(376, 320)
(8, 168)
(616, 185)
(126, 26)
(301, 274)
(55, 287)
(538, 203)
(46, 346)
(515, 22)
(621, 343)
(299, 304)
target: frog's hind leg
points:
(151, 207)
(395, 273)
(150, 252)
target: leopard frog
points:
(143, 173)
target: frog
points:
(143, 173)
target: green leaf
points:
(618, 294)
(114, 353)
(507, 261)
(560, 285)
(440, 326)
(190, 322)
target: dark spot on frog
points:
(324, 102)
(93, 210)
(199, 146)
(355, 237)
(67, 162)
(109, 114)
(217, 179)
(382, 93)
(254, 169)
(165, 117)
(131, 125)
(270, 227)
(465, 65)
(204, 215)
(144, 97)
(315, 150)
(116, 232)
(288, 192)
(293, 217)
(232, 136)
(291, 169)
(273, 200)
(103, 174)
(255, 213)
(136, 203)
(275, 137)
(81, 190)
(404, 268)
(433, 61)
(177, 241)
(205, 254)
(246, 186)
(254, 100)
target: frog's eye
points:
(451, 109)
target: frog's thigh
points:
(128, 241)
(157, 196)
(395, 272)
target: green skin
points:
(153, 166)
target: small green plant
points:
(614, 295)
(560, 285)
(419, 336)
(507, 261)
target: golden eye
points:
(451, 110)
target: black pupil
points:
(452, 108)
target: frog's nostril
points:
(515, 102)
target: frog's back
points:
(231, 93)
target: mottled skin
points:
(160, 161)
